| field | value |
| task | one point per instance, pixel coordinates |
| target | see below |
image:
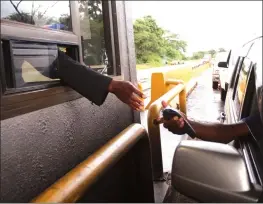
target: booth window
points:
(32, 32)
(32, 65)
(45, 14)
(96, 38)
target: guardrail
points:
(72, 186)
(160, 81)
(167, 86)
(154, 130)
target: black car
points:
(242, 101)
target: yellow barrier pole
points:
(154, 130)
(157, 87)
(182, 101)
(155, 142)
(75, 183)
(174, 81)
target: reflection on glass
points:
(242, 83)
(45, 14)
(34, 63)
(92, 32)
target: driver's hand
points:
(175, 125)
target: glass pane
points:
(33, 63)
(95, 53)
(242, 83)
(45, 14)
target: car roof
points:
(244, 50)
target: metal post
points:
(182, 100)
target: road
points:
(203, 105)
(144, 75)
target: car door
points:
(251, 147)
(241, 102)
(238, 82)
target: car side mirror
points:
(209, 172)
(222, 64)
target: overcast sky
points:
(205, 24)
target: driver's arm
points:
(214, 132)
(223, 133)
(217, 132)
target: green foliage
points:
(21, 17)
(212, 52)
(221, 50)
(154, 44)
(92, 28)
(198, 55)
(28, 18)
(155, 60)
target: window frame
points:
(239, 109)
(236, 76)
(12, 103)
(7, 91)
(250, 92)
(242, 55)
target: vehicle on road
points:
(176, 62)
(225, 74)
(207, 58)
(221, 56)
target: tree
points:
(175, 45)
(92, 29)
(148, 39)
(212, 52)
(221, 50)
(198, 55)
(92, 8)
(153, 43)
(21, 17)
(35, 17)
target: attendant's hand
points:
(127, 93)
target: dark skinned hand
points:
(127, 93)
(175, 125)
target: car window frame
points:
(244, 52)
(235, 91)
(236, 76)
(245, 108)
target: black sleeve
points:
(84, 80)
(255, 126)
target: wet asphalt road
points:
(203, 105)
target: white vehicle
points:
(206, 58)
(220, 57)
(225, 74)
